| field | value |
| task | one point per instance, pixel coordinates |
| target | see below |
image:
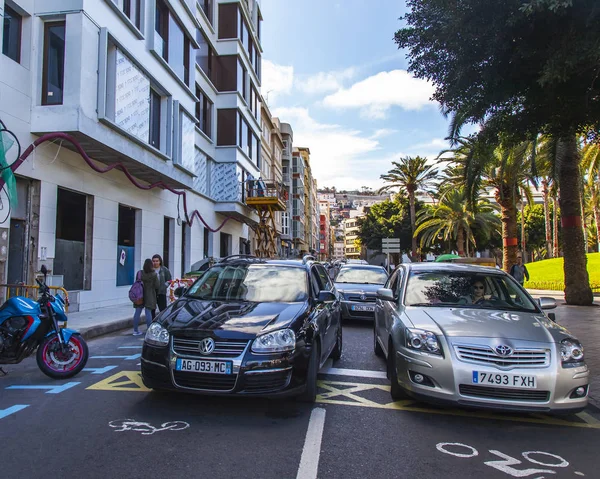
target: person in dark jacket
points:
(519, 270)
(164, 276)
(150, 281)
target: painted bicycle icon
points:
(147, 429)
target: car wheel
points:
(396, 390)
(310, 393)
(376, 346)
(337, 350)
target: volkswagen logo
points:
(206, 346)
(503, 350)
(363, 297)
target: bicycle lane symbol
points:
(506, 463)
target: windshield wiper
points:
(433, 304)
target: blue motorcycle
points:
(27, 325)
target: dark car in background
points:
(358, 285)
(249, 327)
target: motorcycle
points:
(27, 325)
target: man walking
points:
(519, 270)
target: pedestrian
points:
(150, 283)
(164, 276)
(519, 270)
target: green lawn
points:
(548, 274)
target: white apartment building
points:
(166, 89)
(351, 229)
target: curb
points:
(91, 332)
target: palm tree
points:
(453, 219)
(591, 165)
(507, 172)
(411, 175)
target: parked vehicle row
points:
(451, 334)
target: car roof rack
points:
(308, 257)
(246, 257)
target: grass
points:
(549, 274)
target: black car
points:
(250, 327)
(358, 285)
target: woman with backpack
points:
(148, 279)
(164, 276)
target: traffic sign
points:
(390, 241)
(390, 245)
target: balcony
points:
(266, 193)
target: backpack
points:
(136, 292)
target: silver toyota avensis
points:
(472, 336)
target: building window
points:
(205, 56)
(187, 136)
(11, 37)
(207, 8)
(241, 80)
(161, 27)
(228, 20)
(53, 71)
(155, 100)
(204, 109)
(244, 136)
(227, 127)
(132, 10)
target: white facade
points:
(114, 62)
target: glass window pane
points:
(176, 47)
(11, 41)
(54, 64)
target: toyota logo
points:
(503, 350)
(206, 346)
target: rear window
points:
(262, 283)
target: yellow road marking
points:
(122, 381)
(346, 394)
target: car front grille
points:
(369, 299)
(266, 381)
(504, 393)
(207, 382)
(520, 358)
(223, 348)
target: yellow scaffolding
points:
(31, 291)
(266, 197)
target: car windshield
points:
(262, 283)
(362, 275)
(466, 289)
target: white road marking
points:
(443, 445)
(561, 462)
(359, 373)
(587, 417)
(146, 428)
(129, 358)
(309, 462)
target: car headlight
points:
(157, 335)
(423, 341)
(275, 342)
(571, 352)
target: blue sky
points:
(332, 70)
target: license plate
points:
(200, 366)
(360, 307)
(518, 381)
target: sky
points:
(332, 71)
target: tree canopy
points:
(523, 67)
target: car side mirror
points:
(179, 292)
(385, 294)
(547, 303)
(326, 297)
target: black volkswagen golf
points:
(250, 327)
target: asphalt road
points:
(105, 423)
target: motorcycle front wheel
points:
(61, 363)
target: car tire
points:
(376, 346)
(396, 391)
(310, 393)
(337, 350)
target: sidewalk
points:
(584, 323)
(99, 321)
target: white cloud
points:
(375, 95)
(382, 132)
(277, 80)
(324, 82)
(338, 155)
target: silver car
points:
(472, 336)
(358, 285)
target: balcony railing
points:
(266, 192)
